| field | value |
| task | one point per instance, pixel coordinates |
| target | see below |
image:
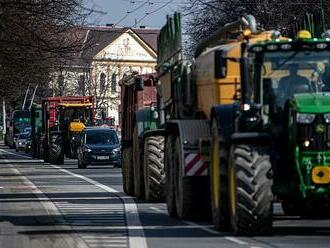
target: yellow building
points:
(106, 55)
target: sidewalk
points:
(27, 217)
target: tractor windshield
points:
(284, 74)
(77, 114)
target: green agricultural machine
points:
(250, 117)
(278, 145)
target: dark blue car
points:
(99, 146)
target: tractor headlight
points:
(327, 118)
(305, 118)
(306, 143)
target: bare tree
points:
(36, 36)
(205, 16)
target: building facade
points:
(107, 54)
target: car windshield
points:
(285, 74)
(23, 136)
(101, 138)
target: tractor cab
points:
(72, 120)
(287, 96)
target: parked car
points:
(21, 141)
(99, 146)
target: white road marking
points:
(136, 236)
(208, 229)
(204, 228)
(48, 205)
(157, 210)
(236, 240)
(136, 232)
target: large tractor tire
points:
(56, 152)
(43, 151)
(250, 190)
(153, 163)
(169, 178)
(218, 172)
(138, 166)
(127, 171)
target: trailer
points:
(142, 139)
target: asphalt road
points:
(43, 205)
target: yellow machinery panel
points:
(212, 91)
(76, 127)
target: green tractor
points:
(275, 144)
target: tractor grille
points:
(318, 141)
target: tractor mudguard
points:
(225, 115)
(190, 132)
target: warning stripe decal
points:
(194, 165)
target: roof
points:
(94, 39)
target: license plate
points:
(102, 157)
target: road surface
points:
(44, 205)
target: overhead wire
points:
(132, 11)
(154, 11)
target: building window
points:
(114, 83)
(102, 82)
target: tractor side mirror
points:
(220, 64)
(139, 84)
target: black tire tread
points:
(169, 179)
(154, 174)
(56, 152)
(128, 176)
(253, 190)
(137, 166)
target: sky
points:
(133, 13)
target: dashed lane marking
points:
(236, 240)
